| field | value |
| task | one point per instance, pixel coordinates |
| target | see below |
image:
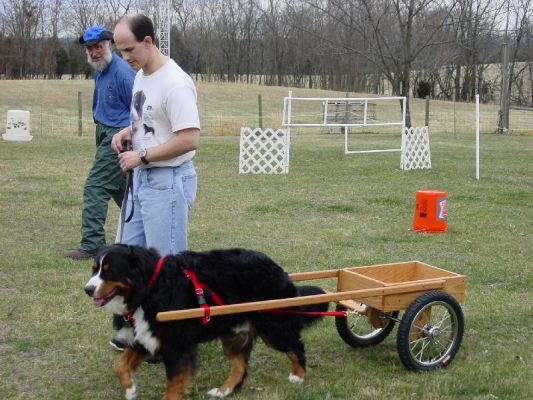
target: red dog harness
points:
(198, 289)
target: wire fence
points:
(63, 108)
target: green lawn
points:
(331, 211)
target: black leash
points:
(127, 194)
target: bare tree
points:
(22, 19)
(522, 12)
(117, 9)
(396, 32)
(475, 23)
(80, 14)
(50, 26)
(276, 31)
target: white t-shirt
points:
(163, 103)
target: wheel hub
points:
(433, 333)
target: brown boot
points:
(79, 254)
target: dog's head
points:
(117, 279)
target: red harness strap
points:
(199, 290)
(128, 315)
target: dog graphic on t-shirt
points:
(137, 112)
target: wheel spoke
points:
(443, 346)
(445, 317)
(420, 354)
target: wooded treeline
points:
(442, 48)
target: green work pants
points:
(105, 181)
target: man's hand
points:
(129, 160)
(119, 138)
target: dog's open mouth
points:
(102, 301)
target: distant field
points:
(226, 107)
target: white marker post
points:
(477, 137)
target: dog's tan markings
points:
(237, 349)
(237, 366)
(177, 386)
(107, 287)
(126, 364)
(106, 267)
(297, 371)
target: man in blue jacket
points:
(113, 80)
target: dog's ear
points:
(137, 274)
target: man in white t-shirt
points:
(164, 132)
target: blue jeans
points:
(162, 198)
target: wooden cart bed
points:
(385, 287)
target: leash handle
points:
(126, 145)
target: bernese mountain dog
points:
(137, 283)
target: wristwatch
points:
(142, 156)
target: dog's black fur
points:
(236, 275)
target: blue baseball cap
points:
(93, 35)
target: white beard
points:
(102, 64)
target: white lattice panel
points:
(415, 148)
(264, 151)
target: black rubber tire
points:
(438, 340)
(347, 333)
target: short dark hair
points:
(141, 26)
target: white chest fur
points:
(143, 334)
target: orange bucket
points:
(430, 211)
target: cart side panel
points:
(349, 280)
(402, 272)
(426, 271)
(455, 286)
(389, 273)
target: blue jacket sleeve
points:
(126, 88)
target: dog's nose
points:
(89, 289)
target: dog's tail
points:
(307, 290)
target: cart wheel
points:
(357, 331)
(430, 332)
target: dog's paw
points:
(218, 394)
(131, 393)
(295, 379)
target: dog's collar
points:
(157, 269)
(128, 315)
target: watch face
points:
(142, 155)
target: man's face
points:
(99, 55)
(134, 52)
(96, 51)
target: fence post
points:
(427, 111)
(454, 115)
(260, 107)
(80, 123)
(346, 115)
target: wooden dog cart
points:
(430, 330)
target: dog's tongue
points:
(99, 302)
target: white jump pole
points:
(289, 111)
(477, 137)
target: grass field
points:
(331, 211)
